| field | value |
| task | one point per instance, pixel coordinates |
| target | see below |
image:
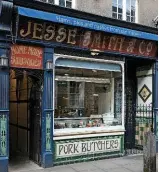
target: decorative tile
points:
(144, 93)
(141, 128)
(3, 135)
(78, 156)
(48, 132)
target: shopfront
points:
(77, 69)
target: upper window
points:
(124, 10)
(63, 3)
(48, 1)
(130, 10)
(117, 9)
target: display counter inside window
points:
(87, 98)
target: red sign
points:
(26, 57)
(84, 38)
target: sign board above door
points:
(26, 57)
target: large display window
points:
(87, 98)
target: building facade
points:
(69, 88)
(136, 11)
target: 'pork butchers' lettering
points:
(77, 148)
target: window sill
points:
(73, 132)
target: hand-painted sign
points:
(87, 39)
(87, 147)
(26, 57)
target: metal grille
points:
(138, 120)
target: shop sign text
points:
(87, 147)
(26, 57)
(83, 38)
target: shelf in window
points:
(78, 118)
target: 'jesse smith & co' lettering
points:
(88, 39)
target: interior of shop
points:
(25, 114)
(87, 98)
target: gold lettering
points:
(72, 36)
(111, 42)
(34, 52)
(12, 60)
(61, 35)
(22, 31)
(119, 42)
(149, 48)
(87, 38)
(131, 46)
(104, 42)
(50, 33)
(37, 30)
(142, 48)
(96, 40)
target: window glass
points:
(114, 9)
(47, 1)
(114, 15)
(68, 3)
(85, 98)
(62, 3)
(128, 18)
(65, 3)
(120, 10)
(51, 1)
(127, 12)
(132, 19)
(120, 16)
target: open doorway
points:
(25, 117)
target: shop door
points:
(35, 120)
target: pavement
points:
(133, 163)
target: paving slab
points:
(84, 166)
(120, 170)
(134, 167)
(106, 165)
(98, 170)
(122, 164)
(128, 160)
